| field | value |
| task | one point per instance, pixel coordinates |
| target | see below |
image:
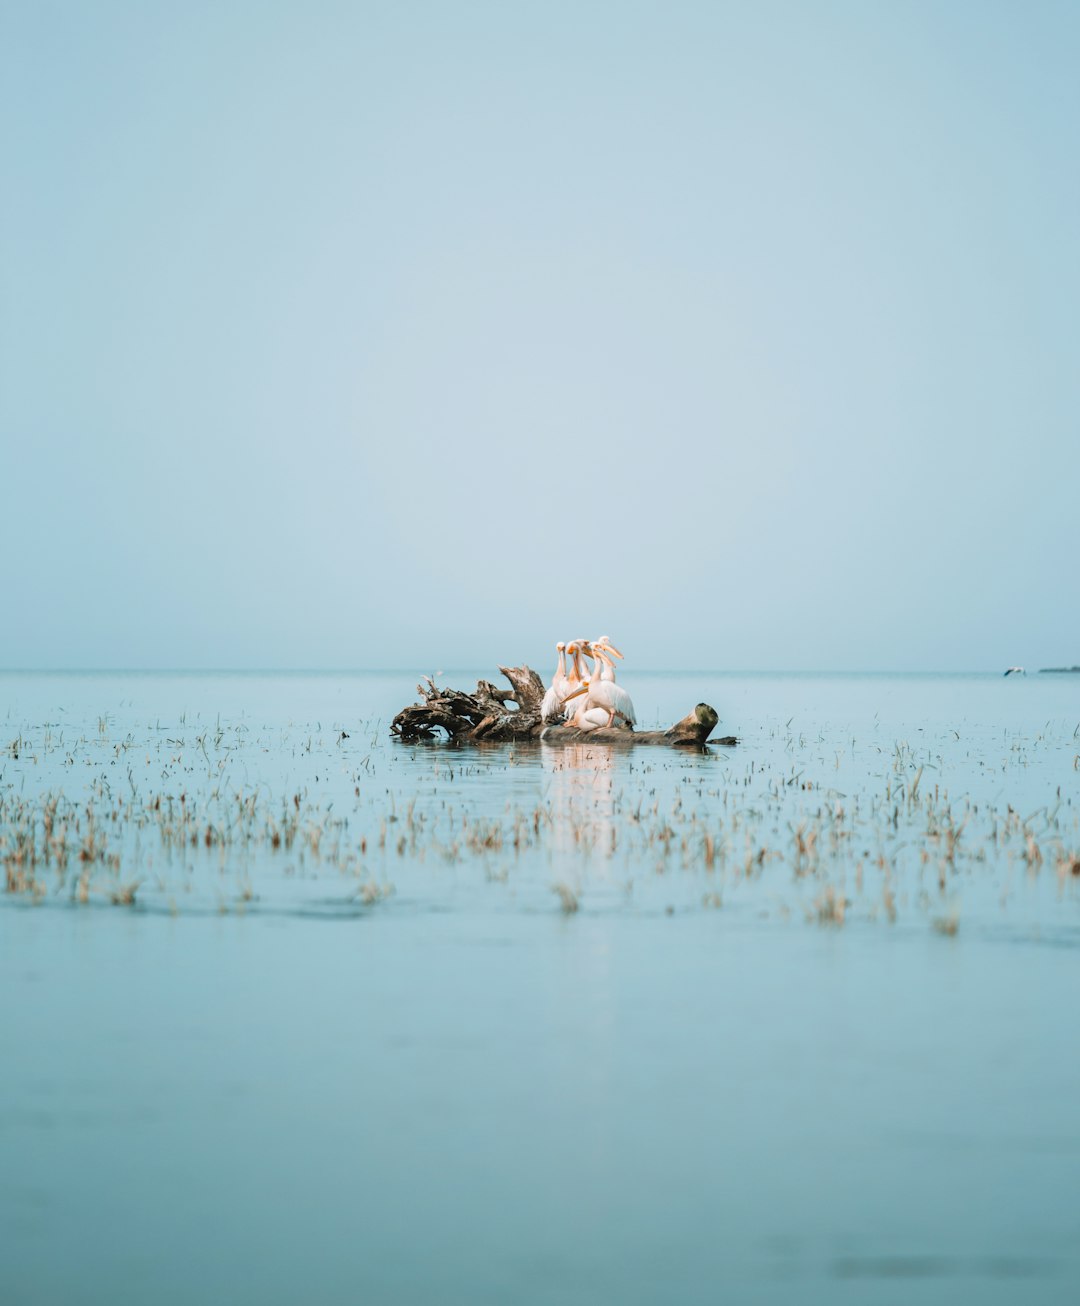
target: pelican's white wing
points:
(607, 694)
(594, 718)
(623, 703)
(553, 706)
(551, 709)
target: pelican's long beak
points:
(612, 649)
(583, 690)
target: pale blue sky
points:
(312, 314)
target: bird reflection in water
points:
(581, 803)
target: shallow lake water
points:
(294, 1011)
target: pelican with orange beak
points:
(566, 683)
(607, 669)
(602, 692)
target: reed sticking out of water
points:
(948, 925)
(568, 899)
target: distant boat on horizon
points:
(1058, 671)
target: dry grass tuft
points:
(830, 907)
(568, 899)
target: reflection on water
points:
(581, 798)
(292, 1012)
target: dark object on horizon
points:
(1016, 671)
(1059, 671)
(485, 717)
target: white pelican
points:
(578, 649)
(589, 718)
(552, 709)
(573, 680)
(603, 694)
(607, 669)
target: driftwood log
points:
(494, 715)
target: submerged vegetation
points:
(230, 819)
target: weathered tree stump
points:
(493, 715)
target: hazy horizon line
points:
(470, 670)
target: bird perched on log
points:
(589, 718)
(603, 694)
(552, 708)
(586, 716)
(565, 683)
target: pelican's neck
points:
(560, 670)
(576, 656)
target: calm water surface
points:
(294, 1012)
